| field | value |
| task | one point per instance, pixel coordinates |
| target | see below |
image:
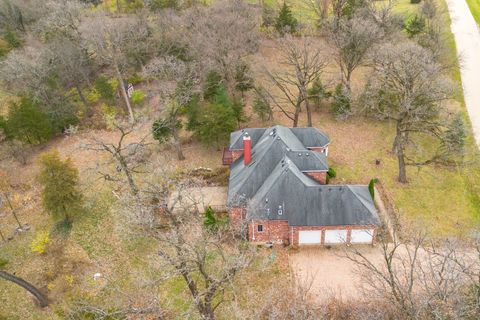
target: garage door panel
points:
(362, 236)
(310, 237)
(335, 236)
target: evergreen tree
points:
(25, 122)
(61, 197)
(213, 82)
(454, 137)
(216, 122)
(285, 21)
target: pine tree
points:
(285, 21)
(61, 197)
(25, 122)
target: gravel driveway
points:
(467, 37)
(328, 272)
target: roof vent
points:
(266, 200)
(280, 210)
(271, 133)
(299, 154)
(278, 138)
(307, 154)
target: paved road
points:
(467, 37)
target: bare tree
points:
(303, 63)
(113, 40)
(351, 40)
(179, 95)
(408, 87)
(125, 154)
(320, 7)
(222, 35)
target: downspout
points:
(253, 230)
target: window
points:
(260, 228)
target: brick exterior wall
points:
(278, 231)
(236, 215)
(319, 176)
(273, 230)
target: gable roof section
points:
(309, 137)
(315, 205)
(275, 143)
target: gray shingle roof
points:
(274, 179)
(308, 137)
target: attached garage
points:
(335, 236)
(362, 236)
(310, 237)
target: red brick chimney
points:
(247, 149)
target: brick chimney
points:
(247, 149)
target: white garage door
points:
(362, 236)
(310, 237)
(335, 236)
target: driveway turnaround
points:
(467, 37)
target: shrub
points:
(3, 262)
(106, 88)
(414, 25)
(415, 1)
(26, 123)
(138, 96)
(285, 21)
(12, 39)
(39, 243)
(135, 79)
(211, 222)
(331, 173)
(371, 187)
(342, 104)
(317, 93)
(162, 129)
(4, 48)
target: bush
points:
(162, 130)
(39, 243)
(371, 187)
(211, 222)
(138, 96)
(12, 39)
(285, 21)
(26, 123)
(415, 1)
(106, 88)
(331, 173)
(342, 104)
(135, 79)
(414, 25)
(4, 48)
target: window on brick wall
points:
(260, 228)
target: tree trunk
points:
(131, 181)
(309, 112)
(13, 211)
(298, 109)
(177, 144)
(42, 299)
(124, 94)
(88, 109)
(2, 236)
(398, 147)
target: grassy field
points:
(475, 9)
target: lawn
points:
(475, 9)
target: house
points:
(278, 188)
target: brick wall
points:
(236, 215)
(273, 230)
(319, 176)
